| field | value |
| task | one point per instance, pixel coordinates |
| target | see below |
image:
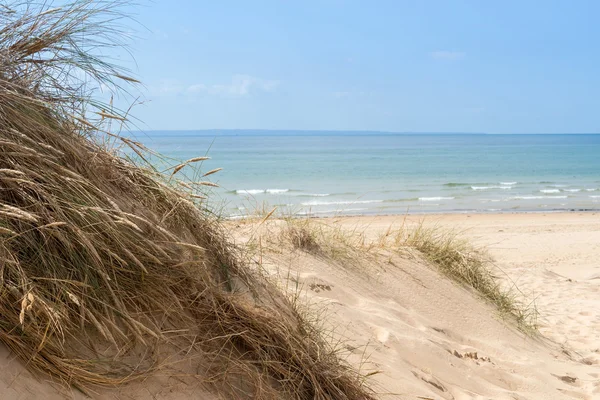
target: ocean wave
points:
(508, 183)
(277, 191)
(402, 200)
(490, 187)
(536, 197)
(331, 211)
(591, 189)
(457, 184)
(435, 198)
(550, 191)
(237, 216)
(572, 190)
(260, 191)
(351, 194)
(339, 203)
(594, 197)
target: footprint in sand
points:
(571, 380)
(430, 379)
(471, 355)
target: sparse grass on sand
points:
(324, 238)
(447, 250)
(458, 259)
(108, 269)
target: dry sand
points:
(554, 260)
(420, 331)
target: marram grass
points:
(107, 270)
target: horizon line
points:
(361, 131)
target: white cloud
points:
(240, 86)
(196, 88)
(447, 55)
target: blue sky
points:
(421, 66)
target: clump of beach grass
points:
(302, 236)
(325, 238)
(458, 259)
(107, 268)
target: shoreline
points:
(443, 213)
(422, 214)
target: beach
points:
(426, 337)
(418, 334)
(552, 259)
(277, 206)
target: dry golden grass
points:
(455, 257)
(108, 269)
(326, 238)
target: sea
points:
(364, 173)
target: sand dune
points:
(552, 259)
(423, 336)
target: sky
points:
(402, 66)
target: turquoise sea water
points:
(324, 173)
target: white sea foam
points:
(490, 187)
(237, 216)
(260, 191)
(594, 197)
(277, 191)
(572, 190)
(336, 211)
(338, 203)
(318, 194)
(591, 189)
(508, 183)
(435, 198)
(550, 191)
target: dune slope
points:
(426, 336)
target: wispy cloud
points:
(240, 86)
(447, 55)
(197, 88)
(166, 87)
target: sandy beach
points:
(426, 337)
(422, 336)
(296, 201)
(551, 258)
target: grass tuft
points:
(302, 237)
(456, 258)
(325, 239)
